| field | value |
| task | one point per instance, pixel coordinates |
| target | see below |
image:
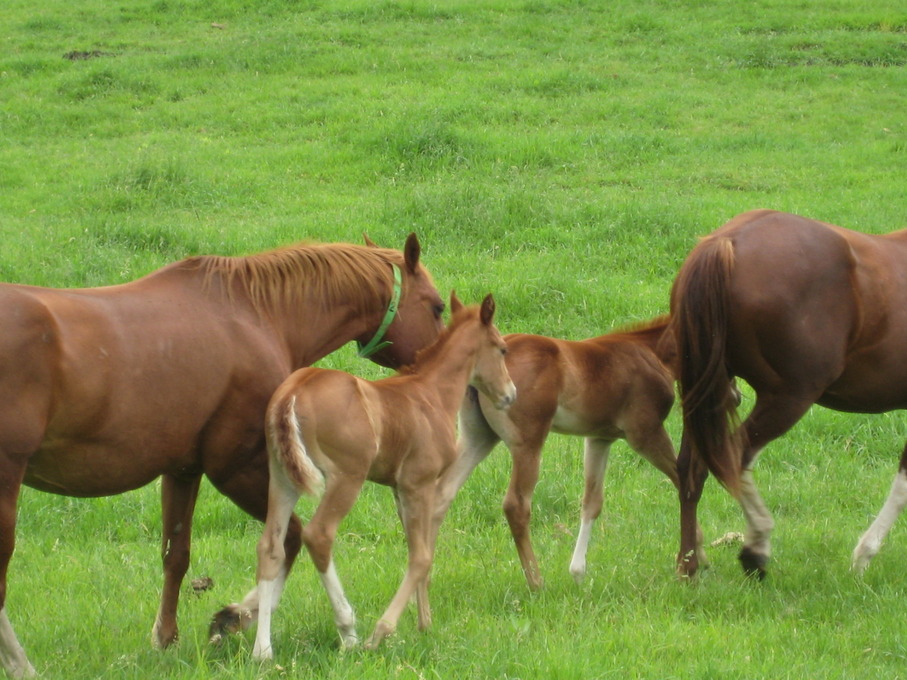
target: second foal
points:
(330, 428)
(615, 386)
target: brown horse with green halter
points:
(105, 389)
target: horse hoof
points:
(753, 563)
(229, 620)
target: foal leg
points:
(417, 501)
(871, 541)
(476, 441)
(178, 496)
(595, 462)
(248, 488)
(526, 456)
(319, 534)
(651, 441)
(691, 476)
(282, 497)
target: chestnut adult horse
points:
(329, 429)
(805, 312)
(615, 386)
(105, 389)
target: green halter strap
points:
(375, 344)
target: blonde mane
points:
(331, 274)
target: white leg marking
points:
(262, 649)
(12, 656)
(759, 522)
(871, 541)
(595, 462)
(344, 616)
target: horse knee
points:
(518, 512)
(318, 543)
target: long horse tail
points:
(287, 448)
(699, 315)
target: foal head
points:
(490, 374)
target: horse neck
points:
(447, 368)
(306, 328)
(311, 332)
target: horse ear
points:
(411, 252)
(455, 304)
(368, 241)
(487, 312)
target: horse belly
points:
(89, 469)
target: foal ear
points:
(455, 304)
(411, 252)
(368, 241)
(487, 311)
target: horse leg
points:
(871, 541)
(691, 476)
(271, 575)
(595, 462)
(178, 496)
(771, 417)
(319, 534)
(476, 441)
(12, 655)
(418, 502)
(243, 489)
(518, 505)
(653, 443)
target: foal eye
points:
(438, 309)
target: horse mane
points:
(647, 332)
(330, 273)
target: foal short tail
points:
(286, 447)
(699, 315)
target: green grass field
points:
(562, 154)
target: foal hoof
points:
(753, 563)
(229, 620)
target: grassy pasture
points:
(563, 154)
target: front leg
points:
(178, 496)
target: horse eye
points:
(438, 309)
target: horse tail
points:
(699, 316)
(288, 450)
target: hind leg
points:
(282, 498)
(772, 416)
(595, 462)
(247, 486)
(651, 441)
(871, 541)
(178, 496)
(417, 502)
(319, 534)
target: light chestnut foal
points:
(330, 428)
(615, 386)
